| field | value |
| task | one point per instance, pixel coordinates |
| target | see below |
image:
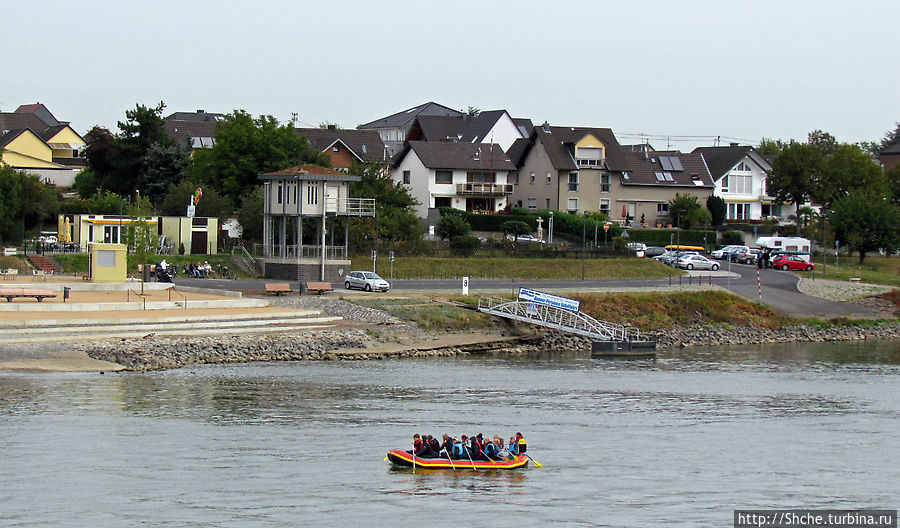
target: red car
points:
(792, 262)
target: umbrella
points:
(624, 212)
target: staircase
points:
(42, 263)
(194, 325)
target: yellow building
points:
(31, 139)
(199, 234)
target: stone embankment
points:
(703, 335)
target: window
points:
(406, 177)
(295, 195)
(312, 194)
(742, 167)
(604, 206)
(740, 184)
(589, 156)
(481, 177)
(443, 176)
(532, 203)
(662, 209)
(336, 148)
(738, 211)
(279, 193)
(725, 183)
(532, 178)
(517, 178)
(548, 203)
(604, 182)
(548, 178)
(573, 182)
(573, 205)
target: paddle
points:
(470, 456)
(448, 458)
(536, 463)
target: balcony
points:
(484, 189)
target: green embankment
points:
(875, 269)
(518, 268)
(78, 263)
(647, 311)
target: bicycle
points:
(224, 272)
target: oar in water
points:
(448, 458)
(470, 456)
(536, 463)
(414, 459)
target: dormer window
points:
(589, 156)
(742, 167)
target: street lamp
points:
(550, 230)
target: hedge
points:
(664, 237)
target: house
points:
(491, 126)
(652, 179)
(740, 173)
(394, 128)
(199, 235)
(346, 147)
(33, 140)
(567, 169)
(321, 196)
(890, 156)
(197, 127)
(469, 176)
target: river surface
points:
(682, 441)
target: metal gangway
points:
(574, 322)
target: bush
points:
(181, 248)
(452, 211)
(452, 226)
(515, 228)
(482, 222)
(662, 237)
(732, 238)
(464, 246)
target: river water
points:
(682, 441)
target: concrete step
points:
(222, 324)
(166, 332)
(151, 318)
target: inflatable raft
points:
(402, 458)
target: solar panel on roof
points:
(666, 162)
(676, 164)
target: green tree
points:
(450, 226)
(890, 137)
(140, 236)
(25, 203)
(107, 203)
(163, 167)
(515, 228)
(681, 208)
(247, 147)
(87, 184)
(794, 173)
(717, 210)
(847, 168)
(865, 221)
(211, 204)
(822, 141)
(396, 218)
(893, 183)
(771, 148)
(250, 215)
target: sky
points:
(682, 72)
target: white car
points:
(366, 280)
(696, 262)
(721, 254)
(529, 239)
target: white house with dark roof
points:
(740, 174)
(468, 176)
(490, 126)
(394, 128)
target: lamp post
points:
(550, 229)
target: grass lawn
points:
(518, 268)
(875, 269)
(78, 263)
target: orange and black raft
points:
(402, 458)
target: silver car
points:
(696, 262)
(366, 280)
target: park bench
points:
(38, 293)
(319, 287)
(278, 288)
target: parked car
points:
(747, 256)
(654, 251)
(636, 246)
(722, 253)
(529, 239)
(792, 262)
(669, 257)
(365, 280)
(696, 262)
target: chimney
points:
(546, 127)
(732, 144)
(332, 127)
(201, 111)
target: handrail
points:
(172, 290)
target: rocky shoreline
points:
(161, 353)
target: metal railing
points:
(352, 206)
(484, 188)
(578, 323)
(290, 251)
(242, 257)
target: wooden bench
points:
(319, 287)
(278, 288)
(38, 293)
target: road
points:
(779, 288)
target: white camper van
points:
(790, 245)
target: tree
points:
(893, 183)
(140, 237)
(515, 228)
(450, 226)
(848, 167)
(681, 208)
(246, 147)
(717, 210)
(211, 204)
(163, 167)
(771, 148)
(865, 221)
(393, 205)
(106, 203)
(794, 172)
(472, 111)
(25, 203)
(822, 141)
(250, 215)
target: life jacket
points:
(490, 450)
(434, 445)
(458, 450)
(523, 446)
(417, 444)
(475, 448)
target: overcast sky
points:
(673, 68)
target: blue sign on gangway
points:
(549, 299)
